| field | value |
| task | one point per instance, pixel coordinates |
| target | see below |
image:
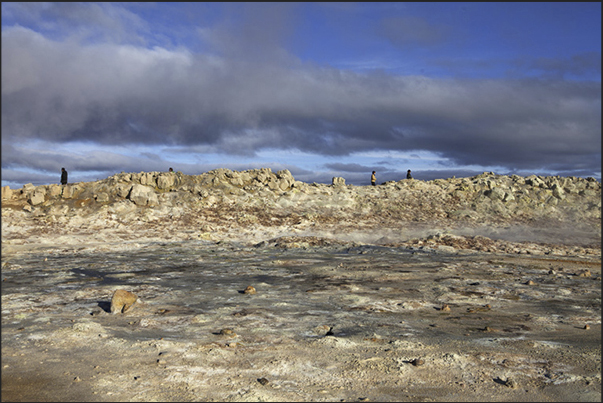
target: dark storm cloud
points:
(249, 94)
(350, 167)
(41, 159)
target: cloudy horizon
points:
(320, 89)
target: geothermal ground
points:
(370, 307)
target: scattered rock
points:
(445, 308)
(227, 332)
(322, 330)
(587, 327)
(510, 383)
(417, 362)
(122, 300)
(249, 290)
(263, 381)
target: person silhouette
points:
(63, 176)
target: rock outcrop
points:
(172, 204)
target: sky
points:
(321, 89)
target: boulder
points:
(54, 190)
(68, 192)
(558, 192)
(37, 196)
(496, 194)
(102, 197)
(166, 180)
(122, 300)
(338, 181)
(7, 193)
(147, 178)
(143, 195)
(123, 190)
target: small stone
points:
(76, 379)
(122, 300)
(584, 273)
(511, 383)
(488, 306)
(530, 282)
(227, 332)
(586, 327)
(445, 308)
(417, 362)
(249, 290)
(263, 381)
(322, 330)
(364, 399)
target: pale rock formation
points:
(338, 181)
(143, 195)
(7, 193)
(122, 301)
(258, 200)
(54, 190)
(166, 180)
(37, 196)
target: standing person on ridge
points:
(373, 179)
(63, 176)
(408, 175)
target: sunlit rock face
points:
(256, 203)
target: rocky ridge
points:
(258, 204)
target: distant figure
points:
(373, 179)
(171, 169)
(63, 176)
(408, 175)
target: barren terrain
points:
(407, 291)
